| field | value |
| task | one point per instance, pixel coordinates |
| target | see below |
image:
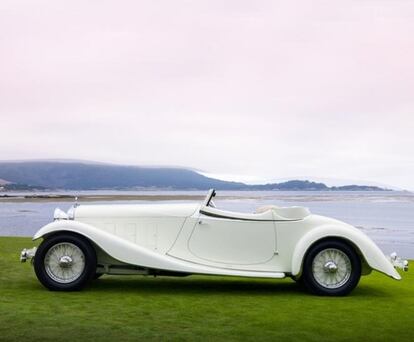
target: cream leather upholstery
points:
(287, 213)
(266, 213)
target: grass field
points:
(198, 308)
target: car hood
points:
(135, 210)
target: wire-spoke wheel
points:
(65, 262)
(331, 268)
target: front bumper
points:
(397, 262)
(27, 254)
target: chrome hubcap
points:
(331, 268)
(64, 262)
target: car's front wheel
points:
(65, 262)
(331, 268)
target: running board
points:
(249, 274)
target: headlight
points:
(59, 214)
(71, 212)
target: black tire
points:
(85, 273)
(342, 287)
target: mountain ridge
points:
(83, 175)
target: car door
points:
(233, 241)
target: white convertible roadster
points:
(327, 255)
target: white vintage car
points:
(327, 255)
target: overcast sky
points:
(258, 89)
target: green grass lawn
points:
(123, 308)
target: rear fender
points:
(368, 249)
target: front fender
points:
(113, 245)
(369, 250)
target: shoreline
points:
(96, 198)
(289, 196)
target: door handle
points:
(201, 222)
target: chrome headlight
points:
(59, 214)
(71, 212)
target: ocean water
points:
(387, 217)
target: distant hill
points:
(3, 182)
(298, 185)
(304, 185)
(20, 187)
(89, 176)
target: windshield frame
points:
(211, 193)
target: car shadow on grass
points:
(161, 285)
(371, 291)
(189, 285)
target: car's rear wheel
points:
(331, 268)
(65, 262)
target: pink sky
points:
(263, 89)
